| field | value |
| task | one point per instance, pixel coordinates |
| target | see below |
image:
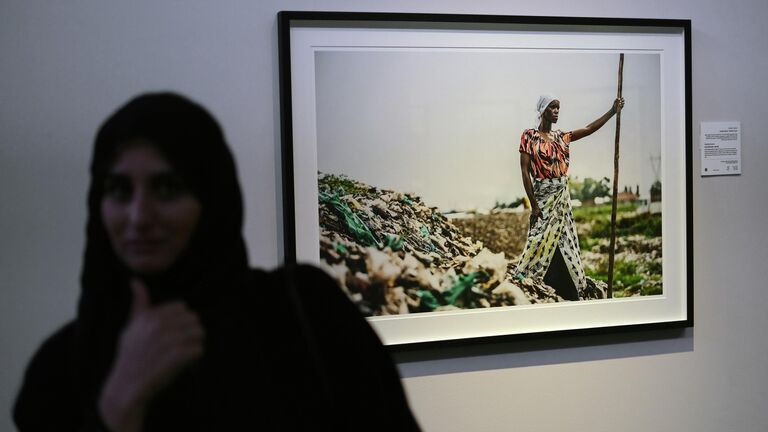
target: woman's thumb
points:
(141, 300)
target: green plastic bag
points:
(355, 226)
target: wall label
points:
(720, 148)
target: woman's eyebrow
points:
(127, 172)
(115, 176)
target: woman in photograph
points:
(551, 250)
(173, 330)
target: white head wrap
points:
(544, 101)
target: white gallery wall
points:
(64, 66)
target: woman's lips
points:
(143, 245)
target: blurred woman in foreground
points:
(173, 330)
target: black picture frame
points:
(306, 36)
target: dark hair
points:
(192, 142)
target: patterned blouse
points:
(548, 159)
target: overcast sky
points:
(446, 125)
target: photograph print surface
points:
(421, 200)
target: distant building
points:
(656, 191)
(628, 195)
(623, 197)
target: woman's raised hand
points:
(618, 104)
(155, 345)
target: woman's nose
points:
(140, 209)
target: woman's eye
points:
(117, 188)
(168, 187)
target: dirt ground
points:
(499, 232)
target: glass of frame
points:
(401, 140)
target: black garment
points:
(559, 278)
(263, 369)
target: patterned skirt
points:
(555, 229)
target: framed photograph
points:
(473, 178)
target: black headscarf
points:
(192, 142)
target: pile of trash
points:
(393, 254)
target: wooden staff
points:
(614, 202)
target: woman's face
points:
(148, 212)
(553, 111)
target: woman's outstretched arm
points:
(591, 128)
